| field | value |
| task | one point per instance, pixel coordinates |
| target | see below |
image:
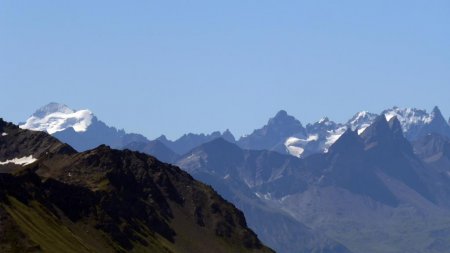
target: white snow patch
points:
(295, 151)
(360, 119)
(409, 117)
(313, 137)
(294, 145)
(4, 134)
(334, 136)
(294, 140)
(389, 116)
(59, 121)
(266, 196)
(361, 130)
(20, 161)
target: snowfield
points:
(56, 121)
(20, 161)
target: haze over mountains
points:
(283, 133)
(377, 178)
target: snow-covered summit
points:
(409, 117)
(320, 135)
(52, 108)
(361, 120)
(55, 117)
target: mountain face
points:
(371, 192)
(418, 123)
(19, 147)
(55, 117)
(236, 173)
(82, 130)
(287, 135)
(434, 151)
(273, 135)
(283, 133)
(319, 136)
(189, 141)
(106, 200)
(155, 148)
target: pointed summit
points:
(361, 120)
(52, 108)
(386, 137)
(273, 135)
(436, 110)
(281, 114)
(436, 115)
(349, 142)
(379, 127)
(396, 126)
(55, 117)
(435, 123)
(282, 117)
(228, 136)
(162, 138)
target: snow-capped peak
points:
(56, 117)
(323, 120)
(409, 117)
(361, 120)
(52, 108)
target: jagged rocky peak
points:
(436, 116)
(283, 125)
(282, 117)
(408, 117)
(361, 120)
(418, 123)
(227, 135)
(378, 129)
(349, 142)
(323, 124)
(395, 126)
(325, 121)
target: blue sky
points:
(171, 67)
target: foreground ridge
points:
(106, 200)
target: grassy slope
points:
(57, 234)
(54, 235)
(46, 230)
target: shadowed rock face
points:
(238, 174)
(125, 200)
(274, 133)
(189, 141)
(154, 148)
(343, 195)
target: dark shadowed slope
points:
(237, 173)
(105, 200)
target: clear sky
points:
(172, 67)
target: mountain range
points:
(55, 199)
(369, 193)
(376, 183)
(283, 133)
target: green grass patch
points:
(44, 229)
